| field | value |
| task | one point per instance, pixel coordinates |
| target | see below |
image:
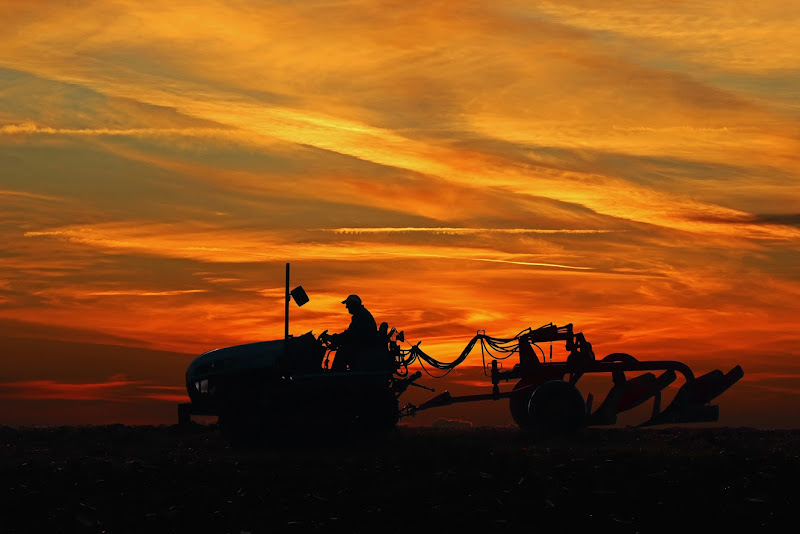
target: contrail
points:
(491, 260)
(452, 230)
(31, 128)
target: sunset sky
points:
(631, 168)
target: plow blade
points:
(691, 402)
(628, 394)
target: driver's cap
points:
(352, 299)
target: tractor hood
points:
(261, 355)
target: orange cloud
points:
(356, 135)
(110, 391)
(49, 389)
(709, 34)
(176, 394)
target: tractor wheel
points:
(239, 420)
(234, 427)
(557, 407)
(379, 414)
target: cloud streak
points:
(116, 391)
(138, 293)
(357, 138)
(214, 246)
(52, 390)
(31, 128)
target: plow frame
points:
(545, 394)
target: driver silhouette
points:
(353, 344)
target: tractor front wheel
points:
(238, 418)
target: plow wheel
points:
(557, 406)
(554, 406)
(518, 403)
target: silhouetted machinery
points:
(286, 386)
(283, 385)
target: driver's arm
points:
(331, 340)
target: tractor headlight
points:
(201, 386)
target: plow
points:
(545, 394)
(287, 386)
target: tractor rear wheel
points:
(556, 407)
(378, 414)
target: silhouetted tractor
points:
(281, 387)
(275, 387)
(285, 387)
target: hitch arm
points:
(401, 384)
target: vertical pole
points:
(286, 312)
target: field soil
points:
(416, 479)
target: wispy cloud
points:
(217, 246)
(113, 390)
(176, 394)
(355, 135)
(139, 293)
(28, 196)
(705, 33)
(31, 128)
